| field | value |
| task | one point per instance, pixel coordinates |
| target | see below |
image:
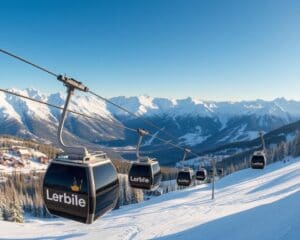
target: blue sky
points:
(216, 50)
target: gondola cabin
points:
(144, 174)
(220, 171)
(258, 160)
(80, 190)
(201, 174)
(185, 177)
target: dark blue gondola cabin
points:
(145, 174)
(80, 191)
(201, 174)
(258, 160)
(184, 177)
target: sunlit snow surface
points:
(250, 204)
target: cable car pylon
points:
(213, 163)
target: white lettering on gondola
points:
(139, 179)
(258, 163)
(183, 180)
(70, 199)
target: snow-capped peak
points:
(146, 105)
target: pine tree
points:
(138, 196)
(1, 207)
(281, 151)
(16, 212)
(232, 168)
(296, 145)
(6, 212)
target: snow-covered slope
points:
(249, 204)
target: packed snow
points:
(250, 204)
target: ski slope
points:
(250, 204)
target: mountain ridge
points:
(194, 123)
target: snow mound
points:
(250, 204)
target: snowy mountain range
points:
(192, 122)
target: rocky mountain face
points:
(200, 125)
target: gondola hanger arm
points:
(185, 152)
(71, 85)
(261, 134)
(74, 84)
(141, 134)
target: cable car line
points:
(83, 186)
(133, 114)
(91, 92)
(66, 80)
(71, 111)
(144, 173)
(95, 118)
(60, 77)
(28, 62)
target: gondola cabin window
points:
(106, 187)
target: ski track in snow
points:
(250, 204)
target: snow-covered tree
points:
(17, 213)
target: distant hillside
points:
(281, 134)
